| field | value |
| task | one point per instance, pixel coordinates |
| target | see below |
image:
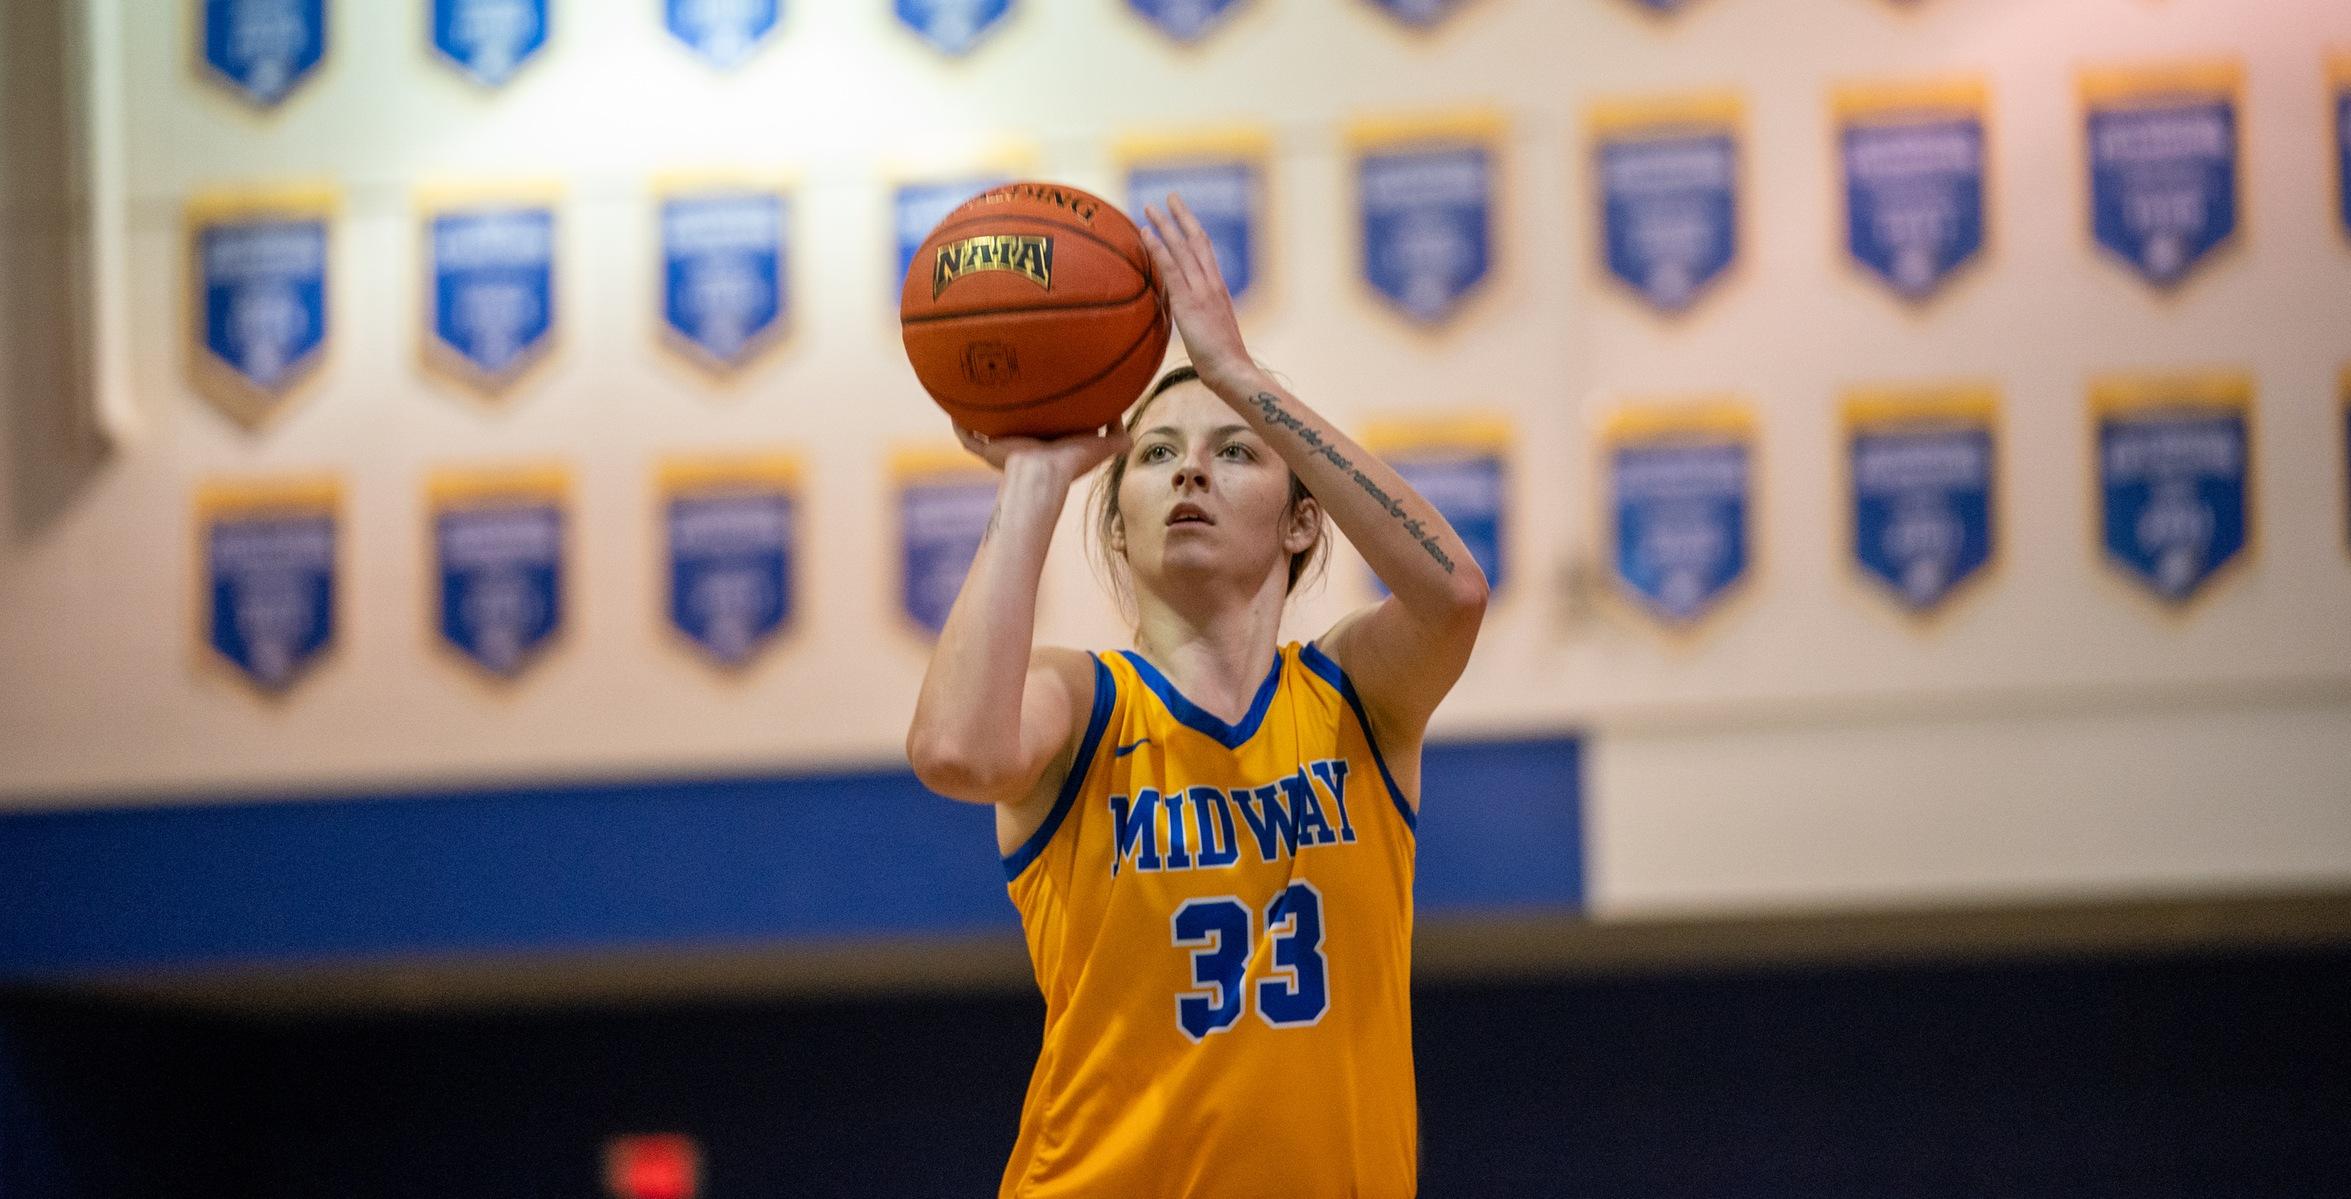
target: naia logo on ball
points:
(1668, 174)
(733, 527)
(264, 49)
(2174, 477)
(1029, 256)
(260, 314)
(498, 547)
(269, 553)
(1914, 162)
(2164, 165)
(723, 32)
(952, 26)
(490, 264)
(1680, 505)
(1924, 472)
(1425, 206)
(724, 271)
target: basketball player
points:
(1209, 838)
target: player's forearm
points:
(967, 721)
(1400, 535)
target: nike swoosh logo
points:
(1124, 750)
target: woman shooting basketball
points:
(1209, 838)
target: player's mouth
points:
(1188, 514)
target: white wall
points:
(2054, 734)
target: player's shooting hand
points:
(1068, 457)
(1197, 298)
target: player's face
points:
(1203, 494)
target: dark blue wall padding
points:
(2024, 1080)
(711, 863)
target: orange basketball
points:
(1033, 310)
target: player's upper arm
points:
(1403, 664)
(1056, 695)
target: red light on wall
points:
(653, 1166)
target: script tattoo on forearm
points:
(1281, 417)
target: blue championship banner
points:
(1668, 175)
(2340, 111)
(733, 531)
(268, 553)
(2175, 477)
(1222, 178)
(490, 285)
(1924, 469)
(498, 562)
(945, 498)
(1680, 505)
(725, 271)
(259, 318)
(1186, 21)
(723, 32)
(264, 49)
(1425, 194)
(917, 208)
(489, 40)
(2165, 160)
(1419, 14)
(1914, 162)
(1461, 467)
(952, 26)
(1663, 8)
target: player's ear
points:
(1118, 535)
(1303, 527)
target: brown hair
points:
(1104, 502)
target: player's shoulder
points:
(1063, 661)
(1319, 664)
(1085, 678)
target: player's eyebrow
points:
(1221, 431)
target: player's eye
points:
(1238, 452)
(1156, 452)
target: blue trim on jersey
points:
(1105, 694)
(1321, 664)
(1231, 736)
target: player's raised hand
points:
(1197, 298)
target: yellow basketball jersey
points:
(1220, 917)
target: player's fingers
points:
(1184, 238)
(1174, 240)
(972, 444)
(1203, 250)
(1181, 240)
(1171, 268)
